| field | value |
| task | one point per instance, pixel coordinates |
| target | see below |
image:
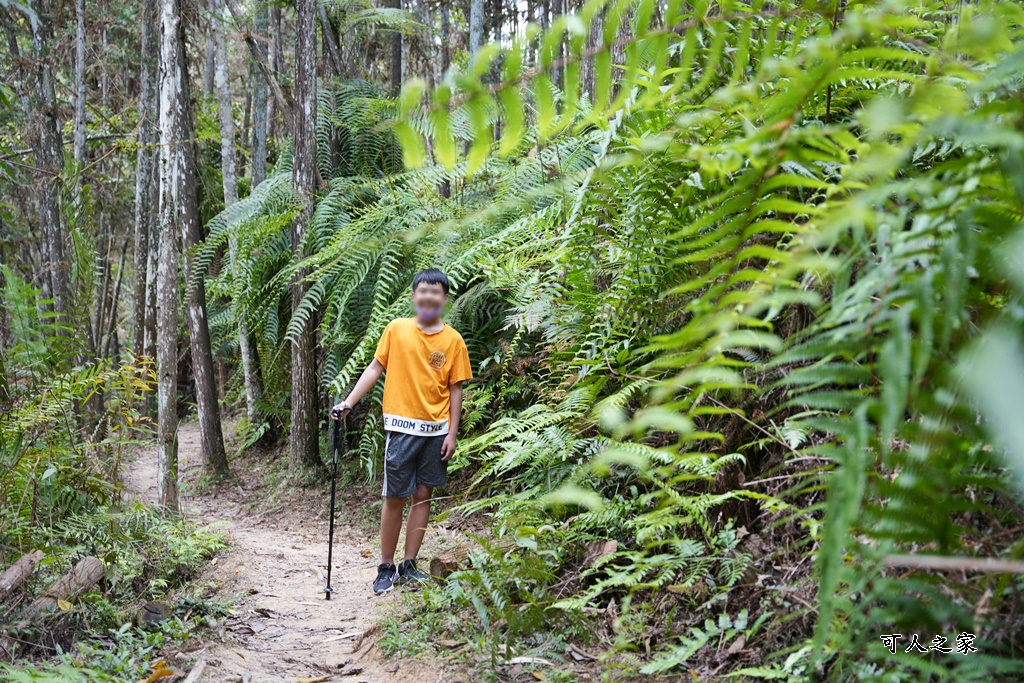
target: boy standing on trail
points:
(426, 362)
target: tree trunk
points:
(211, 437)
(110, 343)
(48, 147)
(172, 145)
(557, 8)
(303, 450)
(396, 54)
(446, 38)
(594, 39)
(153, 259)
(84, 576)
(476, 25)
(80, 92)
(6, 338)
(222, 86)
(211, 62)
(19, 572)
(275, 85)
(259, 97)
(144, 175)
(330, 40)
(276, 63)
(250, 362)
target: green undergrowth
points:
(751, 339)
(66, 436)
(124, 653)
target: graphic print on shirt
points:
(420, 369)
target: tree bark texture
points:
(48, 147)
(303, 447)
(172, 135)
(19, 572)
(144, 177)
(211, 437)
(330, 41)
(261, 24)
(84, 576)
(396, 54)
(275, 85)
(276, 64)
(80, 90)
(211, 62)
(250, 360)
(153, 260)
(476, 25)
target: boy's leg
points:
(419, 514)
(390, 527)
(400, 452)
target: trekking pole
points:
(334, 480)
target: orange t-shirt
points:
(420, 369)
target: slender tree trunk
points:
(476, 25)
(211, 62)
(330, 40)
(80, 92)
(557, 9)
(259, 97)
(444, 188)
(276, 62)
(211, 436)
(6, 338)
(446, 37)
(251, 43)
(171, 144)
(105, 71)
(250, 363)
(153, 262)
(48, 148)
(396, 54)
(110, 342)
(303, 451)
(144, 175)
(594, 39)
(222, 87)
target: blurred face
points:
(429, 300)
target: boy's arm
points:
(366, 381)
(454, 418)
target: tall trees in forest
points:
(303, 446)
(47, 144)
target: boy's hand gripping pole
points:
(336, 415)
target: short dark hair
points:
(431, 276)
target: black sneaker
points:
(409, 575)
(387, 574)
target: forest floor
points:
(280, 627)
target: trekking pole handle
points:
(337, 414)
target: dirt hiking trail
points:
(281, 628)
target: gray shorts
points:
(411, 459)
